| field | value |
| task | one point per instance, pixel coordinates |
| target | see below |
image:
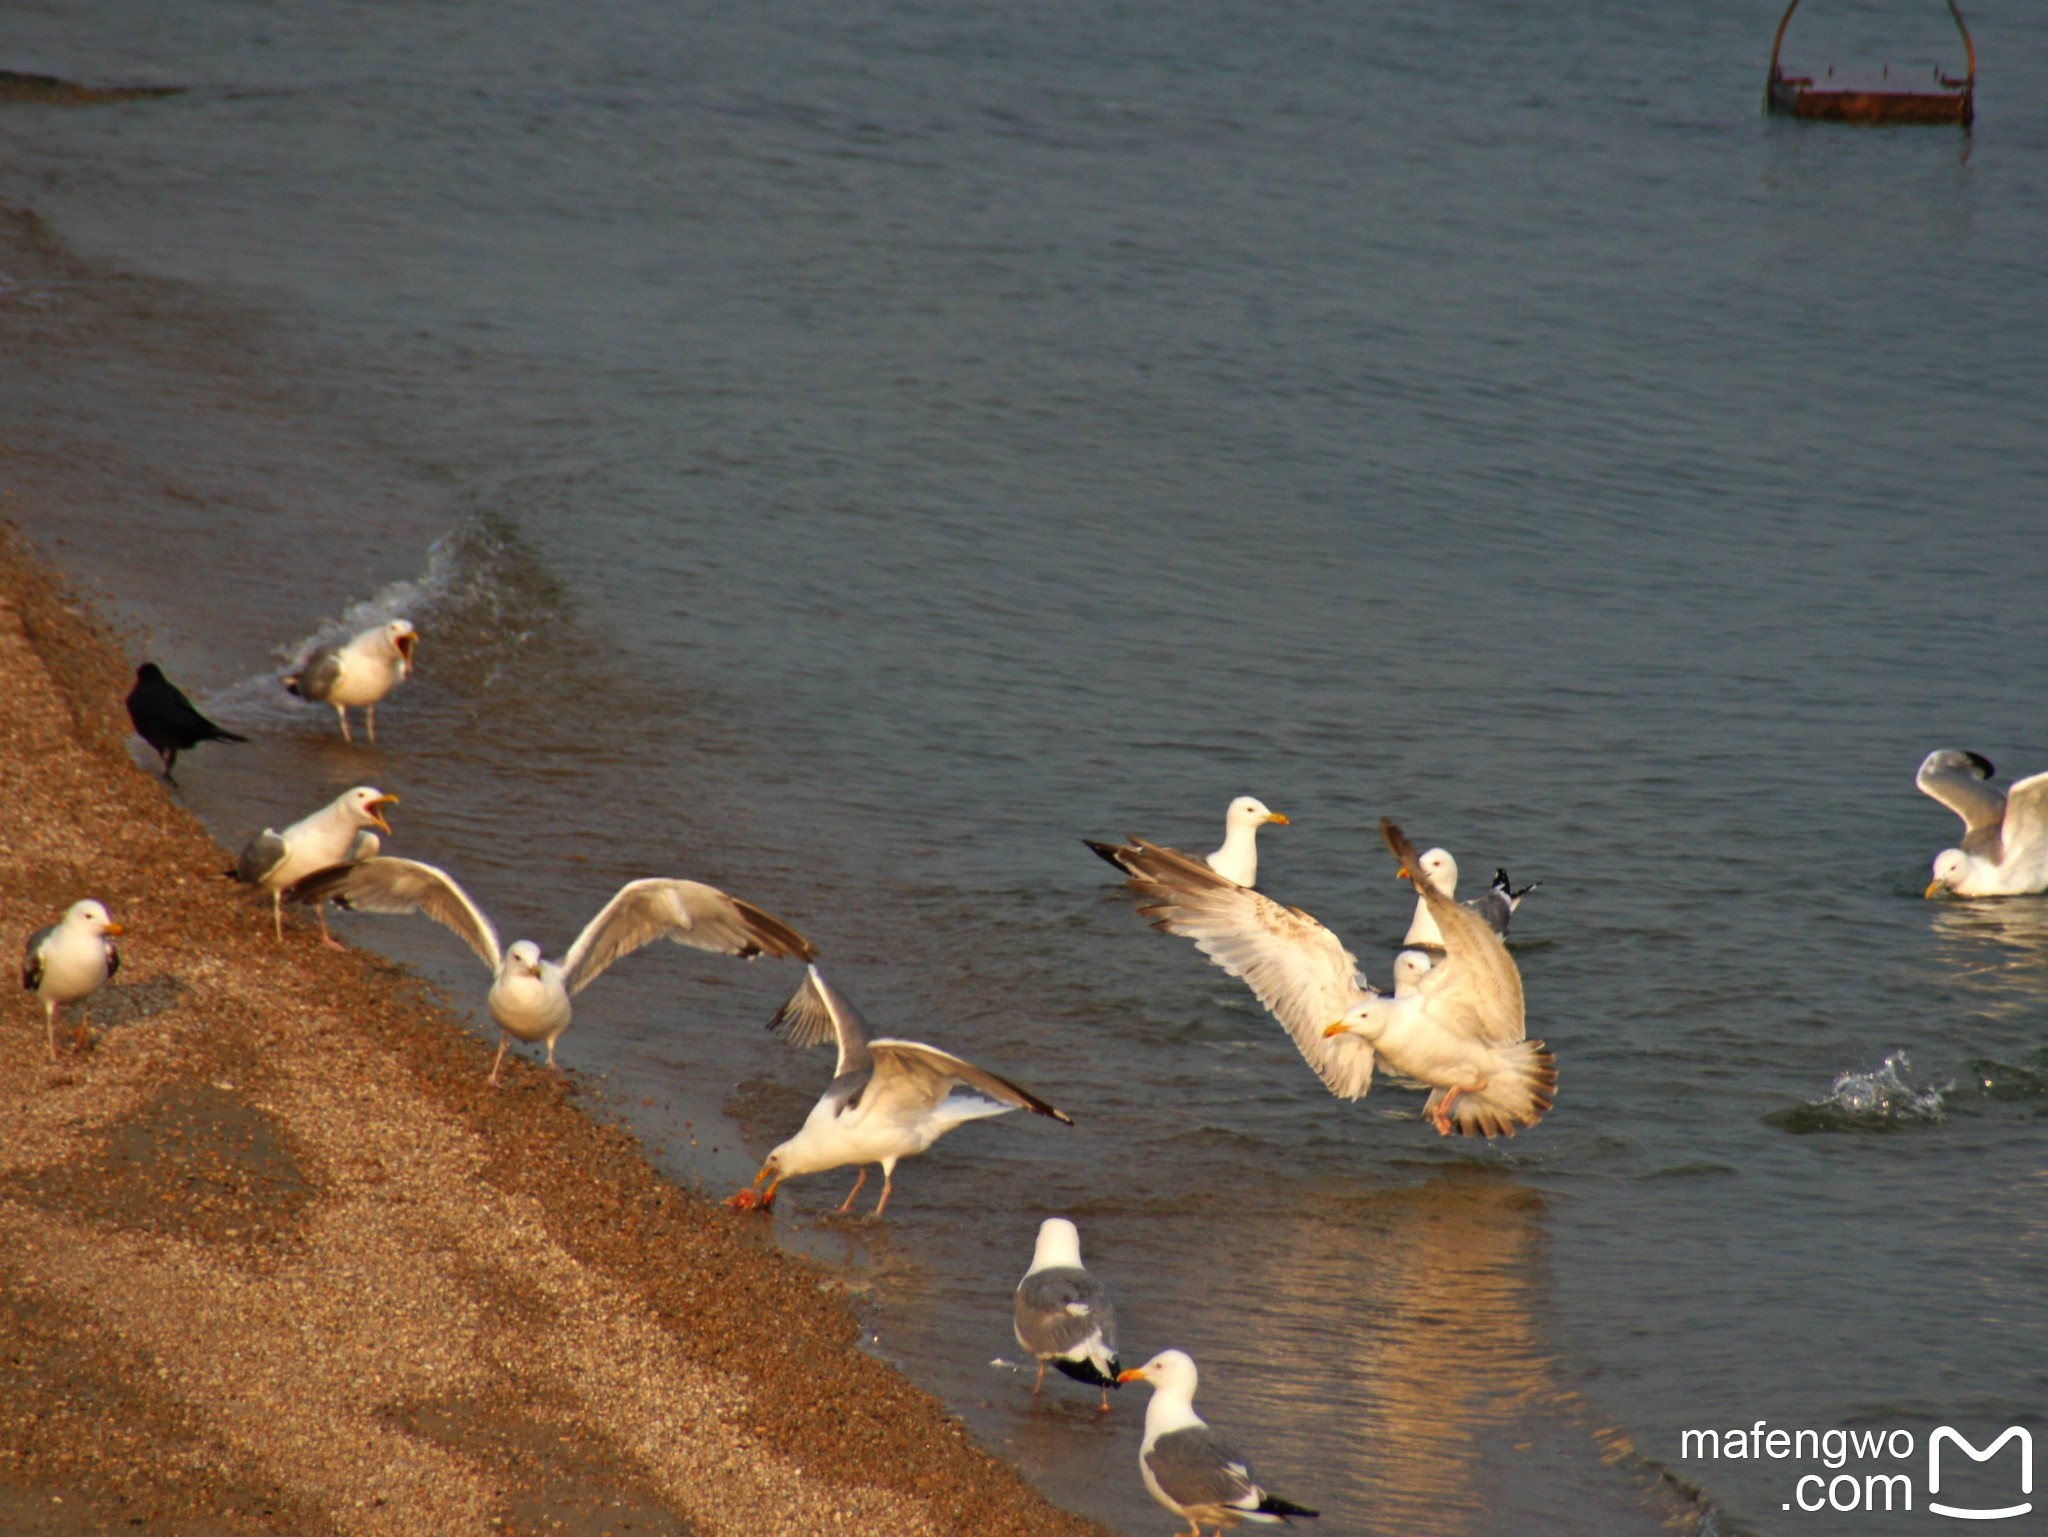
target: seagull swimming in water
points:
(888, 1099)
(1238, 859)
(165, 718)
(2004, 851)
(529, 996)
(357, 672)
(1190, 1469)
(338, 833)
(70, 961)
(1063, 1316)
(1496, 904)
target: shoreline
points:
(275, 1258)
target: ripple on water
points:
(1878, 1100)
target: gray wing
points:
(1476, 989)
(1297, 968)
(1958, 781)
(318, 674)
(1061, 1310)
(264, 853)
(1197, 1467)
(818, 1012)
(387, 885)
(32, 958)
(925, 1071)
(688, 912)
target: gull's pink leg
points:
(888, 1184)
(342, 711)
(370, 717)
(1041, 1379)
(326, 938)
(504, 1041)
(51, 1009)
(847, 1204)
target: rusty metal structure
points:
(1874, 100)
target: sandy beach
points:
(274, 1258)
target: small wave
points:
(2024, 1080)
(1879, 1100)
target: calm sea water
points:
(850, 454)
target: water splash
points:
(1879, 1100)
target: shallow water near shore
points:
(852, 458)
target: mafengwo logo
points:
(1871, 1472)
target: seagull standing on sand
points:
(1064, 1317)
(359, 671)
(529, 997)
(1238, 859)
(164, 717)
(888, 1099)
(337, 834)
(2005, 838)
(70, 961)
(1190, 1469)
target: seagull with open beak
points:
(337, 834)
(359, 671)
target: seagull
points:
(359, 671)
(1238, 859)
(1064, 1317)
(529, 996)
(338, 833)
(1463, 1030)
(1306, 979)
(888, 1099)
(165, 719)
(70, 961)
(1190, 1469)
(2005, 845)
(1496, 904)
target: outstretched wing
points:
(936, 1071)
(2026, 814)
(688, 912)
(1958, 781)
(1295, 966)
(818, 1012)
(386, 885)
(1476, 989)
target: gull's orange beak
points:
(1130, 1376)
(382, 800)
(113, 928)
(1404, 874)
(405, 643)
(1274, 816)
(1934, 889)
(1336, 1029)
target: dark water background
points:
(864, 450)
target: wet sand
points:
(274, 1258)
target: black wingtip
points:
(1109, 853)
(1273, 1505)
(1088, 1372)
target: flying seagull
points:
(359, 671)
(2005, 840)
(888, 1099)
(165, 719)
(1190, 1469)
(338, 833)
(1238, 859)
(1064, 1317)
(70, 961)
(529, 996)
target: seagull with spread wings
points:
(888, 1099)
(2005, 839)
(1457, 1026)
(529, 997)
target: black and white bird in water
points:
(1190, 1469)
(357, 672)
(529, 996)
(1497, 903)
(165, 718)
(1064, 1317)
(337, 834)
(888, 1099)
(70, 961)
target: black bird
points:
(165, 719)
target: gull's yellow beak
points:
(382, 800)
(1934, 889)
(1274, 816)
(113, 928)
(1404, 874)
(1132, 1375)
(1336, 1029)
